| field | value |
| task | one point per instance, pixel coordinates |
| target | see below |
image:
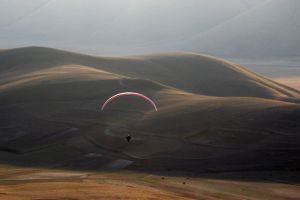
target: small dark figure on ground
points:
(128, 138)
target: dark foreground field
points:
(225, 131)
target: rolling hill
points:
(214, 115)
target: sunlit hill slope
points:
(213, 114)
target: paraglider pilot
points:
(128, 138)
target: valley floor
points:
(52, 184)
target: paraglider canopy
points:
(129, 94)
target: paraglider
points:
(128, 137)
(129, 94)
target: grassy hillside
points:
(213, 114)
(195, 73)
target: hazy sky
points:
(141, 26)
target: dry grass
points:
(26, 183)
